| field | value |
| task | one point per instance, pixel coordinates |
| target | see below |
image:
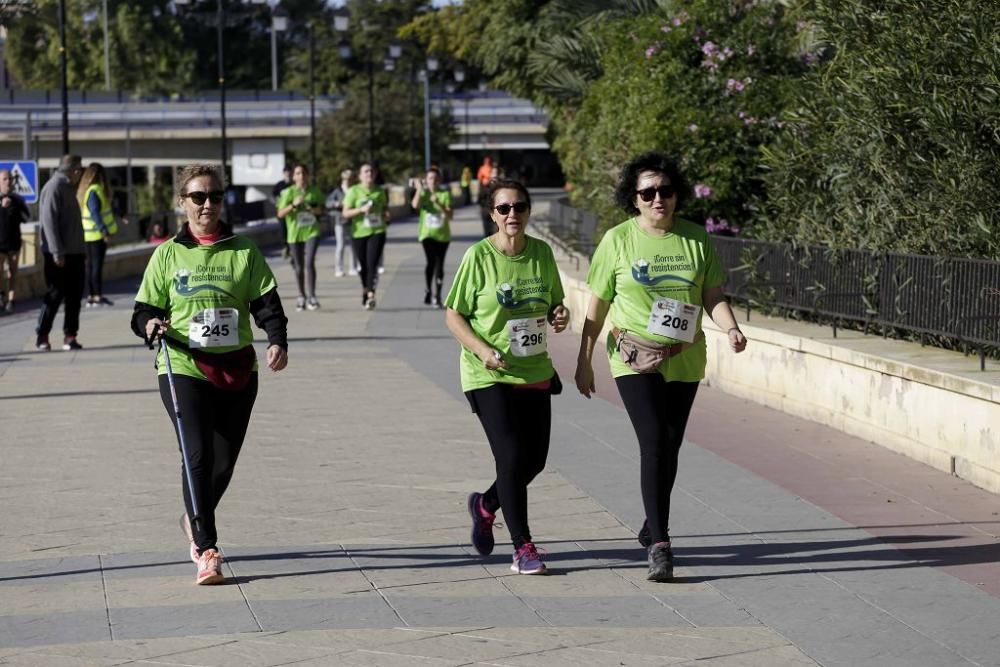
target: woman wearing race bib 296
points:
(505, 295)
(655, 274)
(434, 232)
(367, 206)
(198, 293)
(300, 205)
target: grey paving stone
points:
(60, 628)
(182, 620)
(458, 611)
(363, 610)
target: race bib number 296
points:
(527, 336)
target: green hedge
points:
(895, 142)
(706, 82)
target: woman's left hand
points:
(277, 358)
(560, 318)
(737, 341)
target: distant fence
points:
(945, 297)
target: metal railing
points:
(949, 298)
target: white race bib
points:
(305, 219)
(432, 221)
(673, 319)
(373, 221)
(528, 337)
(214, 327)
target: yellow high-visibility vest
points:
(91, 231)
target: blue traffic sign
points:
(24, 178)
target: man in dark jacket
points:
(63, 252)
(13, 212)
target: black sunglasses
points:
(647, 194)
(519, 207)
(199, 198)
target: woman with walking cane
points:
(197, 295)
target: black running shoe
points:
(661, 562)
(482, 525)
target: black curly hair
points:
(657, 162)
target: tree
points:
(342, 139)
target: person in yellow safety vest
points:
(99, 225)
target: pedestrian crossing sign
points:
(23, 178)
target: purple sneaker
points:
(482, 525)
(527, 560)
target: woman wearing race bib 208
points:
(505, 295)
(199, 291)
(367, 206)
(300, 205)
(434, 230)
(655, 274)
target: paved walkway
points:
(346, 538)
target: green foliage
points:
(895, 143)
(706, 82)
(342, 136)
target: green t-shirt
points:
(204, 288)
(301, 224)
(374, 223)
(504, 298)
(434, 224)
(632, 269)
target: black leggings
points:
(434, 251)
(368, 253)
(215, 422)
(659, 412)
(96, 250)
(517, 424)
(304, 262)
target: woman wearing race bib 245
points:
(300, 206)
(505, 295)
(198, 293)
(655, 274)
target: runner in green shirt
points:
(300, 205)
(198, 293)
(505, 294)
(367, 206)
(434, 230)
(656, 274)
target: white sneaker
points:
(300, 304)
(312, 304)
(381, 270)
(352, 272)
(339, 273)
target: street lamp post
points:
(312, 100)
(62, 77)
(220, 24)
(279, 23)
(432, 65)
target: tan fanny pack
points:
(645, 356)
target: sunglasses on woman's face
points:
(519, 207)
(199, 198)
(665, 191)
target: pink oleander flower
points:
(702, 191)
(751, 50)
(692, 128)
(710, 225)
(665, 28)
(651, 50)
(709, 49)
(727, 53)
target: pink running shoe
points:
(186, 527)
(209, 568)
(527, 560)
